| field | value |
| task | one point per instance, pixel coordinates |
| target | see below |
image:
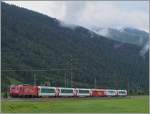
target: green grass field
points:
(136, 104)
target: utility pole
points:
(71, 72)
(65, 80)
(128, 86)
(95, 82)
(70, 69)
(34, 79)
(116, 84)
(71, 80)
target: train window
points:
(83, 91)
(66, 91)
(111, 91)
(47, 90)
(122, 92)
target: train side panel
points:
(99, 93)
(45, 91)
(83, 92)
(28, 90)
(122, 92)
(66, 92)
(111, 92)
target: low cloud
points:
(94, 13)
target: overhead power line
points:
(36, 70)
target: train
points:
(31, 91)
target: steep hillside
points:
(35, 45)
(125, 35)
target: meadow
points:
(130, 104)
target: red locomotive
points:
(24, 91)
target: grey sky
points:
(94, 13)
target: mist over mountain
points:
(126, 35)
(35, 44)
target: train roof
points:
(62, 87)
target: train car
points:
(122, 92)
(83, 92)
(111, 92)
(67, 92)
(45, 91)
(24, 91)
(99, 93)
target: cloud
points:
(106, 14)
(73, 11)
(94, 13)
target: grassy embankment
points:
(128, 104)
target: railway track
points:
(61, 98)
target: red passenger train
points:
(46, 91)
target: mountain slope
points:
(125, 35)
(32, 41)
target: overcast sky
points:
(89, 14)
